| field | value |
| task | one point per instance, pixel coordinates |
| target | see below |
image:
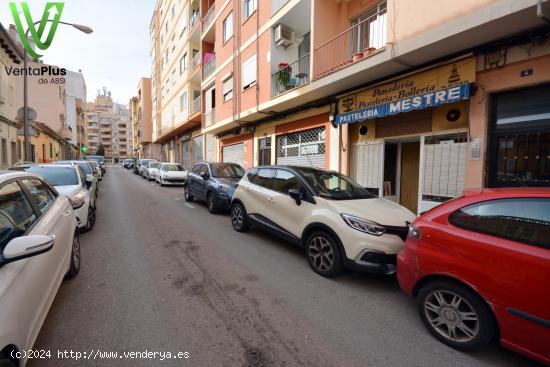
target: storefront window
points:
(519, 153)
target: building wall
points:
(75, 88)
(8, 110)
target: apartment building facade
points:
(109, 125)
(142, 124)
(405, 97)
(75, 99)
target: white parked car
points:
(339, 223)
(70, 180)
(39, 247)
(143, 165)
(171, 174)
(151, 171)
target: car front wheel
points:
(75, 258)
(323, 254)
(211, 201)
(456, 315)
(187, 194)
(239, 218)
(91, 219)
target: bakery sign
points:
(445, 84)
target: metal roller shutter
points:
(304, 148)
(233, 153)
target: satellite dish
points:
(31, 114)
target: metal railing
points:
(352, 45)
(277, 4)
(209, 67)
(196, 61)
(209, 117)
(196, 105)
(290, 76)
(209, 17)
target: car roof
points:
(8, 175)
(512, 191)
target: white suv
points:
(339, 223)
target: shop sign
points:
(445, 84)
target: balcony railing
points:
(209, 67)
(352, 45)
(194, 17)
(277, 4)
(209, 117)
(209, 17)
(196, 61)
(290, 76)
(196, 105)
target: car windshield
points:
(85, 167)
(172, 167)
(334, 186)
(225, 170)
(153, 165)
(93, 163)
(56, 176)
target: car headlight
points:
(364, 225)
(225, 188)
(77, 201)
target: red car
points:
(479, 267)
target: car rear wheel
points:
(211, 201)
(323, 254)
(456, 315)
(75, 258)
(91, 219)
(239, 218)
(187, 194)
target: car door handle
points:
(270, 199)
(67, 213)
(246, 188)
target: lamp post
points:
(26, 141)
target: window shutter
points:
(249, 72)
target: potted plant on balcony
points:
(283, 75)
(368, 51)
(357, 56)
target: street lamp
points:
(26, 141)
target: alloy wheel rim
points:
(451, 316)
(321, 253)
(76, 252)
(237, 217)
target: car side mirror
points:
(296, 194)
(204, 176)
(27, 246)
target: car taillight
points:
(414, 233)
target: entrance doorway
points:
(410, 167)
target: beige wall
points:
(144, 105)
(8, 109)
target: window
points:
(40, 192)
(51, 150)
(369, 29)
(13, 152)
(264, 158)
(173, 11)
(173, 76)
(249, 6)
(196, 168)
(249, 72)
(227, 89)
(285, 180)
(264, 178)
(166, 58)
(525, 220)
(228, 27)
(4, 151)
(183, 101)
(16, 214)
(183, 63)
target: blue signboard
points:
(418, 102)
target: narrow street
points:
(161, 275)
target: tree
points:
(100, 150)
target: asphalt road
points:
(160, 275)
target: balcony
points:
(209, 17)
(353, 45)
(290, 76)
(209, 117)
(209, 66)
(194, 17)
(196, 61)
(276, 5)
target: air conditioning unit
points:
(284, 35)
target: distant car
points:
(144, 164)
(91, 176)
(70, 180)
(213, 183)
(100, 160)
(128, 163)
(338, 222)
(136, 166)
(39, 246)
(151, 170)
(21, 166)
(171, 174)
(97, 169)
(479, 268)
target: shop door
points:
(410, 166)
(233, 154)
(186, 155)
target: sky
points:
(115, 55)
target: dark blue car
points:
(213, 183)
